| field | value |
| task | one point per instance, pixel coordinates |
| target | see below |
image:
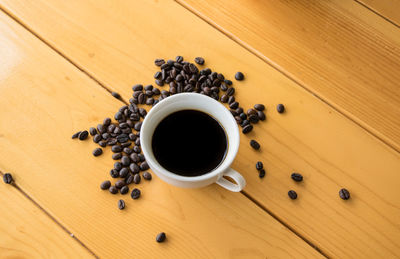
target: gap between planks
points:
(109, 90)
(377, 13)
(275, 66)
(50, 216)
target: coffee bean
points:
(111, 128)
(344, 194)
(161, 237)
(122, 125)
(239, 76)
(137, 87)
(129, 179)
(105, 136)
(136, 178)
(127, 150)
(228, 82)
(238, 119)
(280, 108)
(117, 166)
(261, 174)
(244, 123)
(116, 156)
(165, 66)
(234, 105)
(122, 138)
(254, 144)
(231, 100)
(7, 178)
(76, 135)
(116, 95)
(102, 143)
(239, 110)
(251, 112)
(246, 129)
(123, 172)
(83, 135)
(112, 142)
(159, 82)
(125, 161)
(116, 148)
(292, 194)
(97, 152)
(135, 194)
(92, 131)
(223, 87)
(224, 98)
(142, 112)
(137, 149)
(138, 126)
(134, 168)
(124, 190)
(126, 131)
(253, 118)
(147, 176)
(149, 101)
(141, 98)
(297, 177)
(121, 204)
(132, 136)
(137, 142)
(144, 166)
(114, 173)
(101, 128)
(135, 158)
(141, 157)
(126, 144)
(230, 91)
(159, 62)
(259, 165)
(261, 115)
(113, 190)
(156, 91)
(243, 116)
(199, 60)
(119, 184)
(105, 185)
(259, 107)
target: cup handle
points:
(238, 178)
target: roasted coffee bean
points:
(123, 125)
(344, 194)
(147, 176)
(233, 112)
(123, 108)
(259, 107)
(157, 75)
(137, 142)
(223, 87)
(253, 118)
(144, 166)
(135, 194)
(239, 76)
(116, 95)
(123, 172)
(280, 108)
(159, 62)
(138, 126)
(254, 144)
(130, 123)
(134, 168)
(246, 129)
(244, 123)
(136, 178)
(105, 185)
(243, 116)
(92, 131)
(199, 60)
(124, 190)
(118, 166)
(128, 150)
(76, 135)
(121, 204)
(234, 105)
(224, 98)
(161, 237)
(297, 177)
(230, 91)
(261, 115)
(165, 66)
(141, 157)
(97, 152)
(118, 116)
(137, 93)
(126, 131)
(113, 190)
(116, 148)
(141, 98)
(159, 82)
(142, 112)
(259, 165)
(292, 194)
(123, 138)
(101, 128)
(251, 112)
(7, 178)
(102, 143)
(231, 100)
(111, 128)
(105, 136)
(114, 173)
(125, 161)
(149, 101)
(119, 184)
(156, 91)
(261, 174)
(112, 141)
(134, 158)
(129, 179)
(216, 82)
(126, 144)
(239, 110)
(117, 130)
(116, 156)
(238, 119)
(137, 149)
(228, 82)
(132, 136)
(83, 135)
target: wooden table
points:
(334, 64)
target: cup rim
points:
(231, 134)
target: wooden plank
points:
(339, 50)
(44, 100)
(390, 9)
(312, 138)
(27, 232)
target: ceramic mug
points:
(194, 101)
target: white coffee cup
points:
(194, 101)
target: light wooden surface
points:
(390, 9)
(339, 50)
(44, 100)
(27, 232)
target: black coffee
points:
(189, 143)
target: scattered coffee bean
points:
(136, 178)
(144, 166)
(243, 116)
(231, 99)
(199, 60)
(261, 174)
(121, 204)
(116, 148)
(124, 190)
(101, 128)
(141, 157)
(228, 82)
(112, 141)
(254, 144)
(137, 142)
(251, 112)
(92, 131)
(297, 177)
(159, 62)
(230, 91)
(134, 168)
(253, 118)
(292, 194)
(123, 172)
(119, 184)
(261, 115)
(76, 135)
(137, 149)
(116, 95)
(135, 194)
(105, 185)
(244, 123)
(129, 179)
(224, 98)
(259, 165)
(246, 129)
(344, 194)
(239, 76)
(125, 161)
(259, 107)
(113, 190)
(161, 237)
(116, 156)
(234, 105)
(134, 158)
(114, 173)
(138, 126)
(7, 178)
(97, 152)
(117, 166)
(126, 144)
(280, 108)
(147, 176)
(83, 135)
(102, 143)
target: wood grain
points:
(339, 50)
(390, 9)
(45, 99)
(118, 43)
(27, 232)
